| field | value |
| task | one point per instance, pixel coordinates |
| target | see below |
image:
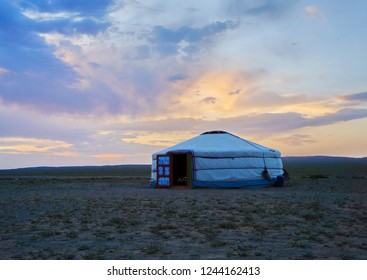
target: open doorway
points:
(179, 166)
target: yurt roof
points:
(221, 144)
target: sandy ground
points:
(316, 217)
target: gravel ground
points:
(314, 216)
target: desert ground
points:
(110, 213)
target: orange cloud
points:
(295, 139)
(212, 95)
(110, 157)
(30, 145)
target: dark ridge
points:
(215, 132)
(82, 171)
(308, 164)
(325, 164)
(321, 159)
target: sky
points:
(104, 82)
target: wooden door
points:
(164, 178)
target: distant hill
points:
(293, 164)
(134, 170)
(323, 159)
(325, 164)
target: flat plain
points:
(110, 213)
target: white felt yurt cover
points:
(221, 159)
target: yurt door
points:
(181, 170)
(174, 170)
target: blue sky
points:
(109, 82)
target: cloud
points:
(264, 8)
(66, 17)
(75, 141)
(3, 71)
(19, 29)
(270, 123)
(343, 115)
(72, 27)
(314, 12)
(280, 122)
(270, 99)
(142, 52)
(176, 78)
(361, 97)
(209, 100)
(185, 38)
(106, 132)
(95, 8)
(139, 63)
(268, 8)
(295, 139)
(35, 76)
(166, 70)
(254, 125)
(12, 145)
(237, 91)
(58, 139)
(21, 122)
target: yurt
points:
(216, 159)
